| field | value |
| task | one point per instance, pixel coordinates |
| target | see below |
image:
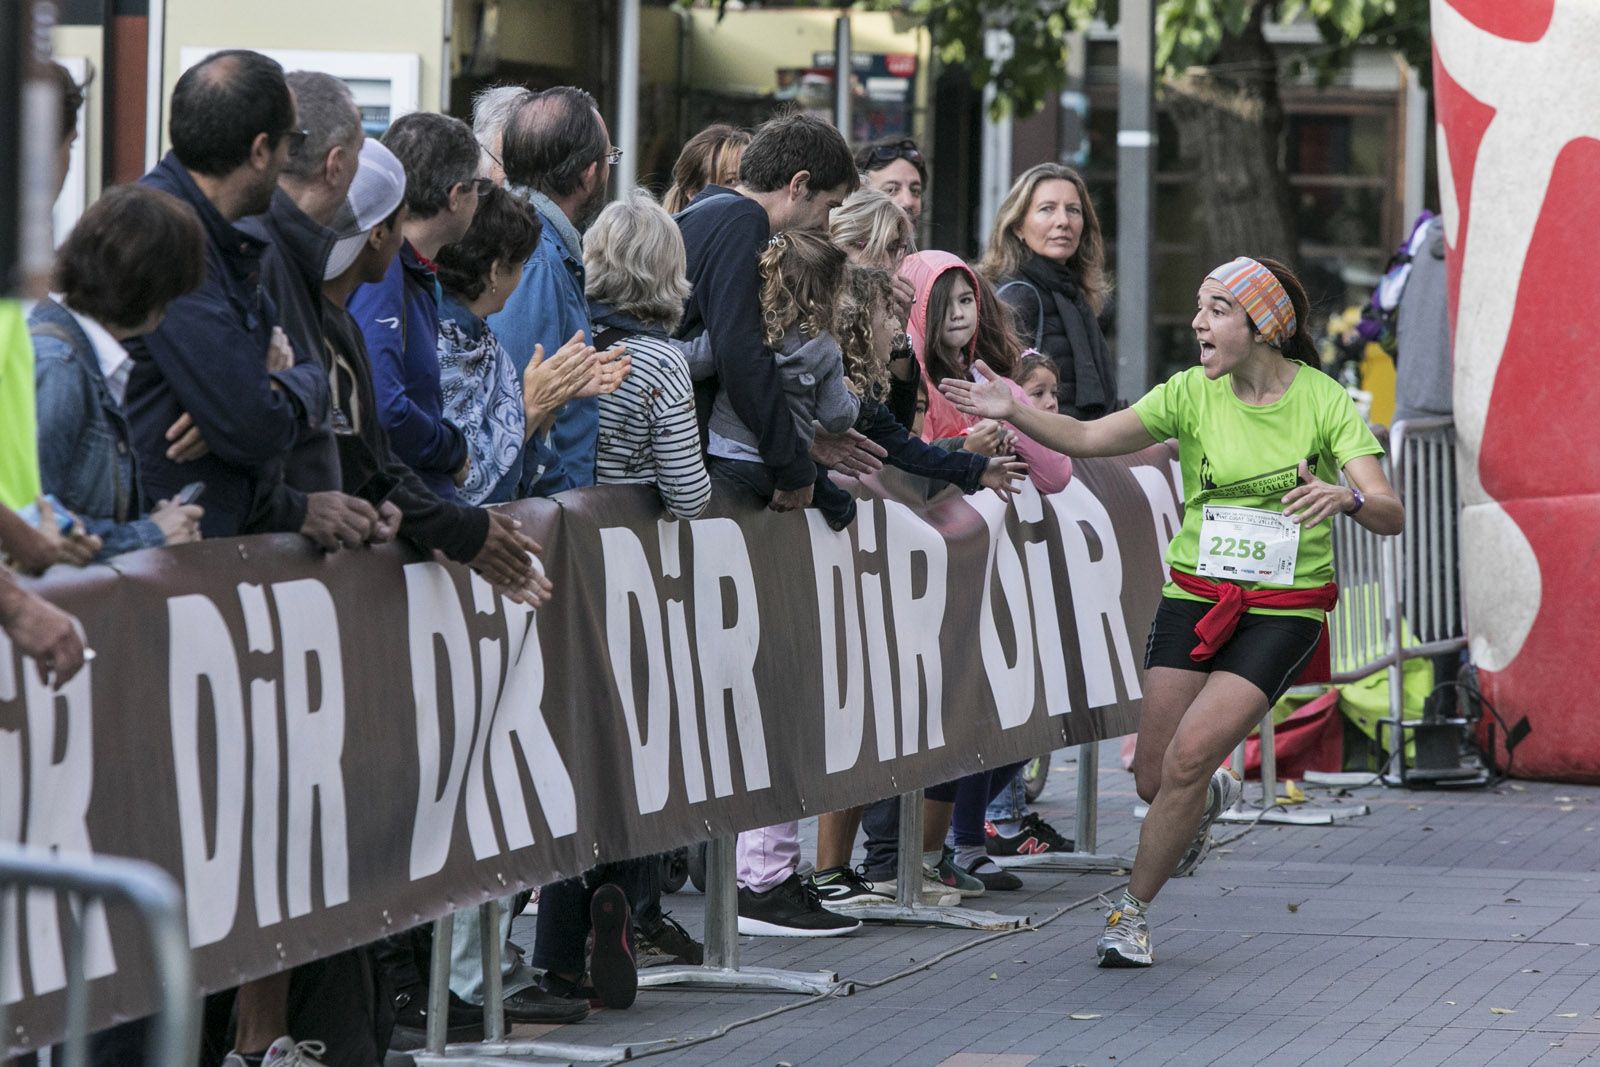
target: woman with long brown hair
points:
(1263, 439)
(1046, 258)
(711, 157)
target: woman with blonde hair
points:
(711, 157)
(1046, 258)
(874, 232)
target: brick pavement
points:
(1385, 940)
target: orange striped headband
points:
(1261, 295)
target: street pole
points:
(626, 134)
(843, 75)
(1136, 153)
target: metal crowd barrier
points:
(152, 895)
(1400, 597)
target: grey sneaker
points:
(933, 893)
(1126, 941)
(1223, 793)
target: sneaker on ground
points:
(284, 1052)
(1222, 793)
(665, 942)
(993, 876)
(790, 909)
(955, 878)
(1035, 838)
(545, 1006)
(1126, 941)
(842, 889)
(934, 893)
(611, 967)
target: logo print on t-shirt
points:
(1271, 483)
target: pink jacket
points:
(1048, 469)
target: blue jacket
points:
(547, 308)
(209, 358)
(399, 319)
(85, 458)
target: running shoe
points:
(284, 1052)
(666, 942)
(1035, 838)
(842, 889)
(790, 909)
(1126, 941)
(934, 893)
(1223, 793)
(612, 971)
(955, 878)
(993, 876)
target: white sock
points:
(931, 859)
(1007, 827)
(1132, 905)
(968, 855)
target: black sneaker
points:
(535, 1005)
(463, 1023)
(789, 909)
(842, 889)
(611, 967)
(665, 942)
(993, 876)
(1035, 838)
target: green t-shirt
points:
(1240, 455)
(19, 435)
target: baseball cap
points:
(378, 188)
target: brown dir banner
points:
(323, 750)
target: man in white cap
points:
(489, 541)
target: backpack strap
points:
(608, 337)
(1038, 328)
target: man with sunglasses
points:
(399, 316)
(896, 167)
(215, 395)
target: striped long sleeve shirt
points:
(648, 431)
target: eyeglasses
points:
(479, 186)
(613, 156)
(297, 140)
(906, 150)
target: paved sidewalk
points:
(1444, 928)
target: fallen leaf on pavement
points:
(1082, 1017)
(994, 977)
(1518, 788)
(1566, 1015)
(1293, 906)
(1565, 807)
(1502, 1011)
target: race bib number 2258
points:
(1248, 545)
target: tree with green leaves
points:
(1218, 73)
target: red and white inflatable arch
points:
(1517, 90)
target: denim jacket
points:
(85, 458)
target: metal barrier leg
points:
(1270, 810)
(495, 1048)
(1083, 858)
(721, 969)
(908, 907)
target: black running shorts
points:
(1268, 651)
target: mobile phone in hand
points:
(189, 494)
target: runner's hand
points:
(1314, 499)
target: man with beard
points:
(558, 158)
(215, 395)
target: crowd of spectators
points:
(363, 339)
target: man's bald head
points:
(553, 140)
(222, 104)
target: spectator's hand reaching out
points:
(905, 294)
(335, 520)
(506, 562)
(791, 499)
(187, 444)
(549, 383)
(179, 523)
(43, 631)
(1004, 475)
(989, 438)
(848, 453)
(612, 366)
(387, 526)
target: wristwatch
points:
(1359, 500)
(900, 347)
